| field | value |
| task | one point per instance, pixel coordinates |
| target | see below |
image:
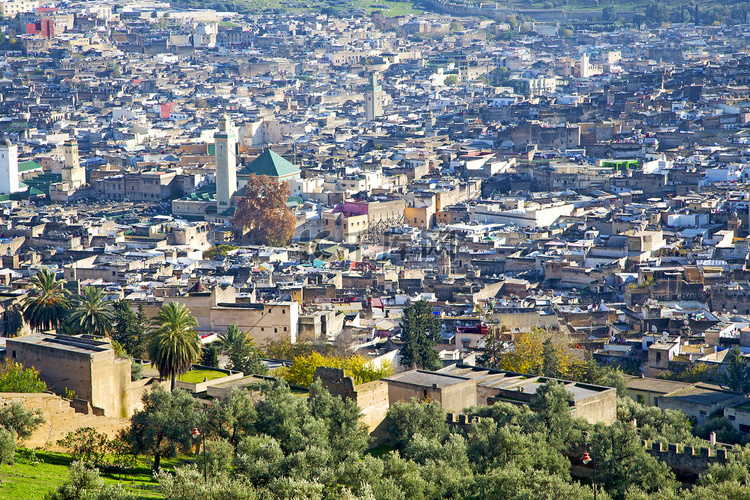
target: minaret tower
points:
(226, 164)
(72, 171)
(373, 99)
(9, 182)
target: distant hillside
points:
(653, 11)
(330, 7)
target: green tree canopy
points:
(20, 421)
(420, 332)
(737, 373)
(129, 328)
(417, 417)
(15, 378)
(622, 462)
(210, 356)
(163, 426)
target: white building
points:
(11, 8)
(9, 181)
(531, 215)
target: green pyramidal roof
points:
(25, 166)
(270, 164)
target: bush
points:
(14, 378)
(187, 484)
(86, 484)
(218, 251)
(86, 444)
(357, 367)
(219, 455)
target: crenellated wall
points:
(687, 460)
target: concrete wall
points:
(271, 321)
(372, 398)
(599, 408)
(694, 409)
(60, 418)
(453, 398)
(524, 321)
(99, 377)
(687, 460)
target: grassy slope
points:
(24, 481)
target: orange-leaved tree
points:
(262, 212)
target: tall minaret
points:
(585, 66)
(72, 171)
(9, 182)
(226, 164)
(373, 99)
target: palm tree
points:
(47, 303)
(241, 351)
(232, 339)
(173, 344)
(91, 314)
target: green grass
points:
(27, 481)
(197, 376)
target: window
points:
(658, 357)
(283, 311)
(284, 328)
(261, 329)
(732, 418)
(744, 428)
(703, 413)
(639, 398)
(14, 354)
(275, 330)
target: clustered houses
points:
(594, 184)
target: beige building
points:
(348, 222)
(10, 9)
(591, 402)
(83, 364)
(453, 393)
(216, 309)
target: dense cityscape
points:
(400, 250)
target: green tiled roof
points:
(204, 193)
(42, 182)
(25, 166)
(270, 164)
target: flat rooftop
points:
(701, 394)
(509, 381)
(655, 385)
(426, 379)
(83, 344)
